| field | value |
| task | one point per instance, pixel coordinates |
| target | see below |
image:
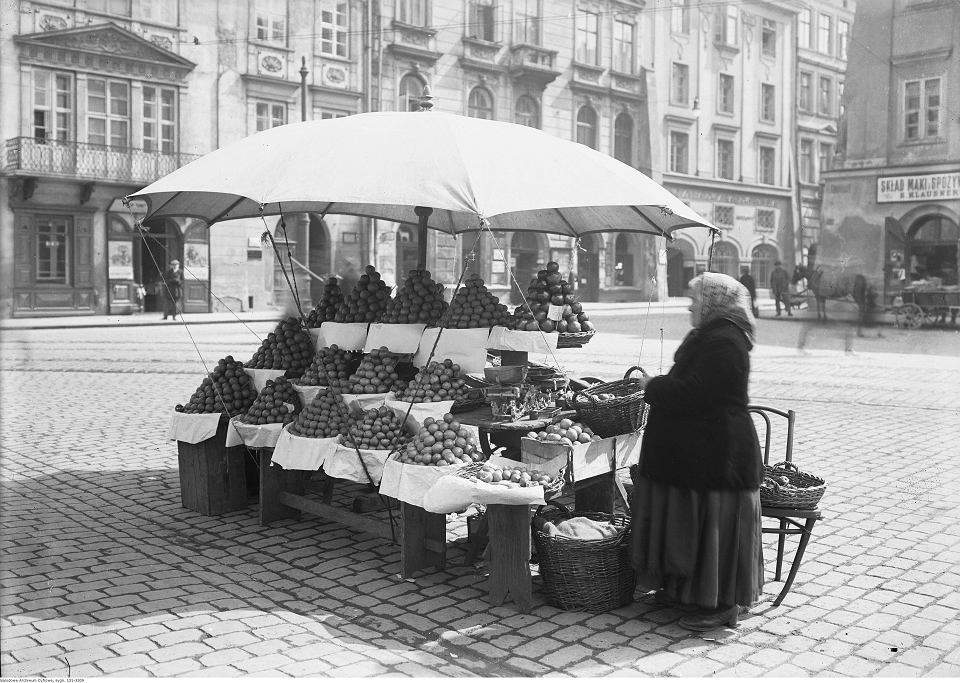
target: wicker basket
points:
(569, 340)
(585, 575)
(804, 493)
(624, 413)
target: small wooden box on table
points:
(212, 476)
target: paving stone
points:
(115, 665)
(173, 668)
(898, 670)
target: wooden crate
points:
(212, 477)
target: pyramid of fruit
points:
(325, 417)
(419, 300)
(475, 306)
(331, 367)
(326, 308)
(377, 374)
(367, 301)
(288, 347)
(227, 389)
(377, 429)
(442, 442)
(437, 381)
(547, 289)
(276, 402)
(565, 431)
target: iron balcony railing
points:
(86, 161)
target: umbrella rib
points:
(573, 231)
(226, 211)
(660, 231)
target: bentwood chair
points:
(791, 521)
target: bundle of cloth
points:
(580, 528)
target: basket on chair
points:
(624, 413)
(803, 493)
(581, 574)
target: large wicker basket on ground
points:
(624, 413)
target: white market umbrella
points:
(384, 164)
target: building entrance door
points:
(589, 265)
(160, 245)
(524, 257)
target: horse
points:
(833, 284)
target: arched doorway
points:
(725, 259)
(589, 263)
(319, 257)
(160, 243)
(407, 242)
(761, 263)
(524, 262)
(931, 249)
(679, 267)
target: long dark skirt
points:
(702, 548)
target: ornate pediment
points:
(104, 48)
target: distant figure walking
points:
(780, 287)
(172, 290)
(746, 279)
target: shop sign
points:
(913, 188)
(120, 264)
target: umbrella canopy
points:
(384, 164)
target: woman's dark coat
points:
(699, 434)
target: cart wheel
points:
(913, 316)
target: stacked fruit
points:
(442, 442)
(326, 308)
(276, 402)
(475, 306)
(367, 301)
(437, 381)
(377, 374)
(516, 476)
(227, 389)
(288, 347)
(325, 417)
(377, 429)
(420, 300)
(566, 432)
(547, 289)
(331, 367)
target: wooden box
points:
(583, 460)
(213, 477)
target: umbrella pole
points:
(423, 213)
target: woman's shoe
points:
(708, 621)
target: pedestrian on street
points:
(695, 535)
(349, 276)
(746, 279)
(172, 290)
(780, 287)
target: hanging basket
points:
(569, 340)
(803, 491)
(625, 412)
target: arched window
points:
(761, 263)
(480, 103)
(623, 139)
(931, 249)
(411, 90)
(527, 112)
(623, 259)
(725, 260)
(587, 127)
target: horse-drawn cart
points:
(916, 307)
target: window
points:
(724, 259)
(323, 114)
(805, 22)
(53, 244)
(411, 89)
(843, 35)
(482, 20)
(527, 112)
(805, 95)
(270, 115)
(921, 108)
(725, 94)
(725, 158)
(764, 255)
(679, 152)
(826, 156)
(768, 38)
(767, 165)
(108, 112)
(121, 7)
(680, 84)
(723, 215)
(334, 29)
(587, 127)
(825, 34)
(840, 107)
(623, 139)
(623, 270)
(159, 119)
(680, 16)
(728, 19)
(825, 104)
(163, 11)
(766, 221)
(480, 104)
(271, 21)
(412, 12)
(52, 106)
(768, 102)
(527, 22)
(587, 37)
(623, 46)
(806, 161)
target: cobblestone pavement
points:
(102, 571)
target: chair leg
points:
(804, 538)
(780, 543)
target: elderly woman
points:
(696, 502)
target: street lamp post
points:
(303, 88)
